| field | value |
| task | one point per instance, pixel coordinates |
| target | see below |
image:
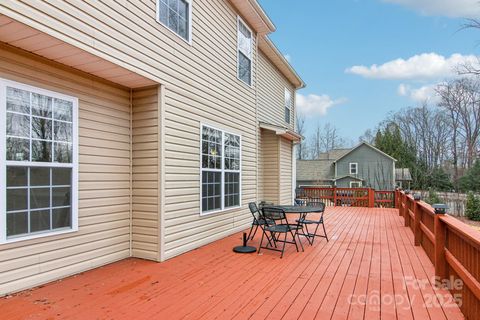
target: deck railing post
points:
(395, 198)
(371, 198)
(334, 196)
(402, 204)
(417, 215)
(440, 238)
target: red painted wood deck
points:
(370, 269)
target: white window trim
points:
(288, 106)
(356, 167)
(223, 209)
(3, 162)
(240, 20)
(157, 18)
(356, 182)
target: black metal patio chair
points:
(304, 222)
(281, 226)
(258, 222)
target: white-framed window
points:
(39, 162)
(355, 184)
(288, 105)
(244, 52)
(220, 170)
(353, 168)
(176, 15)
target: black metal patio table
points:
(301, 210)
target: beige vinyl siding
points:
(145, 174)
(269, 167)
(201, 87)
(271, 94)
(104, 179)
(285, 171)
(185, 229)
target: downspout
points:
(131, 178)
(257, 127)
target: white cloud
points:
(312, 104)
(447, 8)
(418, 67)
(288, 57)
(424, 93)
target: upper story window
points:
(245, 52)
(38, 155)
(176, 15)
(288, 105)
(353, 168)
(220, 170)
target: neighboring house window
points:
(288, 105)
(39, 161)
(221, 154)
(353, 168)
(244, 35)
(355, 184)
(175, 15)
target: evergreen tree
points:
(472, 207)
(471, 180)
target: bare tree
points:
(461, 99)
(368, 136)
(324, 139)
(300, 126)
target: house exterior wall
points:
(271, 94)
(285, 171)
(140, 149)
(145, 173)
(374, 168)
(268, 167)
(104, 178)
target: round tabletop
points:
(298, 209)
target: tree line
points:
(439, 142)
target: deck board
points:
(360, 273)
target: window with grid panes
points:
(220, 170)
(39, 162)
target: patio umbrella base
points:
(244, 248)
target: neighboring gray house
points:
(361, 166)
(403, 178)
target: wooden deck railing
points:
(452, 246)
(352, 197)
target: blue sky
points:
(325, 39)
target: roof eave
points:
(253, 13)
(282, 131)
(278, 59)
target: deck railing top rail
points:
(452, 246)
(353, 197)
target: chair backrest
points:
(254, 209)
(274, 214)
(316, 203)
(300, 202)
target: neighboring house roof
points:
(334, 154)
(349, 176)
(314, 170)
(368, 145)
(403, 174)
